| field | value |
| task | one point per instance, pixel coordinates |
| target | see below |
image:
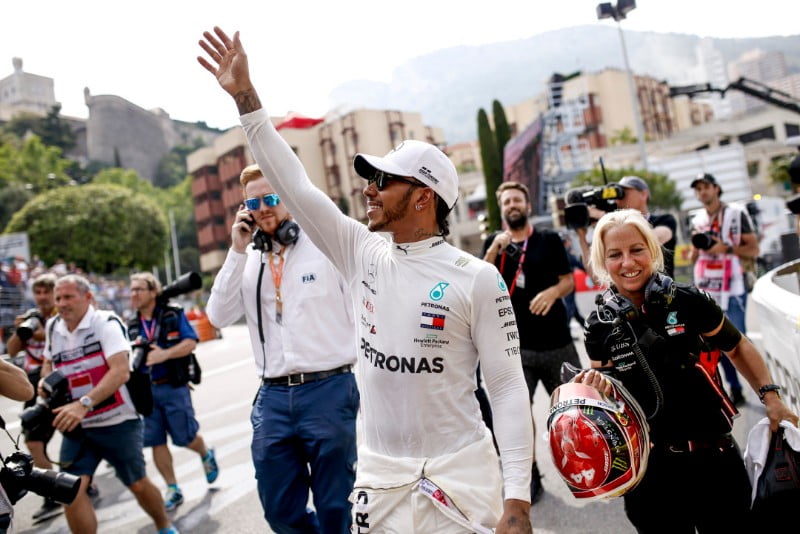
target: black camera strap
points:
(521, 260)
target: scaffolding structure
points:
(564, 153)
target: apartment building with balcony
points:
(326, 150)
(608, 110)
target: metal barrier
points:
(777, 297)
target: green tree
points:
(779, 171)
(663, 194)
(502, 132)
(56, 132)
(101, 228)
(52, 130)
(31, 162)
(492, 171)
(623, 137)
(127, 178)
(12, 198)
(176, 199)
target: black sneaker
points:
(49, 509)
(537, 490)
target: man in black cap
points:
(637, 195)
(722, 238)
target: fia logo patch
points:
(309, 278)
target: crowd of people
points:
(432, 323)
(388, 324)
(16, 288)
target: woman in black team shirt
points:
(659, 338)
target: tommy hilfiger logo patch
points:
(434, 321)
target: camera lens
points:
(702, 241)
(26, 329)
(61, 487)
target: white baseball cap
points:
(415, 159)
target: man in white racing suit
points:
(428, 314)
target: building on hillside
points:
(465, 156)
(759, 66)
(23, 92)
(122, 134)
(712, 70)
(608, 112)
(326, 150)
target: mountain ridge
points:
(449, 85)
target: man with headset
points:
(300, 319)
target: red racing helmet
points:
(599, 444)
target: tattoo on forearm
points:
(247, 101)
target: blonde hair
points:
(148, 278)
(249, 174)
(616, 219)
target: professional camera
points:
(185, 283)
(578, 200)
(32, 321)
(18, 476)
(56, 388)
(139, 350)
(704, 240)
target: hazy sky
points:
(300, 50)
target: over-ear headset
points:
(286, 234)
(659, 291)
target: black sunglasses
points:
(380, 179)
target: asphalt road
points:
(231, 504)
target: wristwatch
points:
(730, 249)
(86, 402)
(763, 390)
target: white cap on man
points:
(415, 159)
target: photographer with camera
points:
(90, 348)
(29, 337)
(163, 333)
(300, 318)
(632, 192)
(654, 336)
(722, 240)
(535, 267)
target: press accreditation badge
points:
(521, 280)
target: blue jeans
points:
(737, 308)
(305, 437)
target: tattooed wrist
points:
(247, 101)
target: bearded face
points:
(515, 208)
